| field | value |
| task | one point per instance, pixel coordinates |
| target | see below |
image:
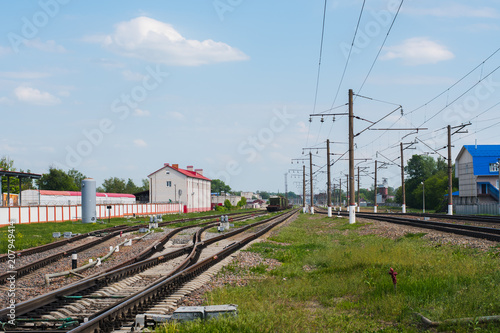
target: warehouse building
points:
(186, 186)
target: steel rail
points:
(112, 318)
(112, 275)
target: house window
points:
(169, 183)
(493, 167)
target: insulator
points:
(322, 119)
(333, 119)
(310, 119)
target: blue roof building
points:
(476, 167)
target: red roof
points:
(192, 174)
(78, 194)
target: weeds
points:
(350, 290)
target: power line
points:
(349, 55)
(461, 95)
(319, 62)
(347, 60)
(454, 84)
(381, 46)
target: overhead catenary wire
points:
(460, 96)
(381, 47)
(347, 60)
(319, 62)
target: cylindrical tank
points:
(88, 201)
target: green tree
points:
(77, 177)
(242, 202)
(57, 180)
(131, 188)
(113, 185)
(145, 185)
(8, 165)
(264, 195)
(218, 186)
(434, 173)
(227, 204)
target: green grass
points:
(346, 286)
(35, 234)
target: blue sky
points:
(117, 88)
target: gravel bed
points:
(394, 231)
(239, 278)
(33, 285)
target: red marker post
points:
(393, 274)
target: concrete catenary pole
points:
(403, 190)
(450, 175)
(375, 190)
(358, 192)
(329, 185)
(311, 180)
(352, 204)
(304, 188)
(340, 194)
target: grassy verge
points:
(333, 279)
(35, 234)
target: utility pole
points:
(358, 191)
(403, 206)
(334, 195)
(347, 193)
(375, 189)
(340, 194)
(329, 185)
(286, 187)
(311, 179)
(352, 204)
(450, 180)
(303, 188)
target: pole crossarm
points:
(460, 127)
(399, 129)
(387, 115)
(432, 148)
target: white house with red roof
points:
(186, 186)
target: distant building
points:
(218, 200)
(186, 186)
(476, 167)
(247, 195)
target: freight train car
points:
(277, 203)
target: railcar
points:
(277, 203)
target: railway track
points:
(492, 234)
(94, 299)
(109, 233)
(470, 218)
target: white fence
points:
(490, 209)
(40, 214)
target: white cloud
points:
(155, 41)
(35, 96)
(141, 113)
(418, 51)
(24, 75)
(132, 76)
(455, 10)
(140, 143)
(175, 115)
(48, 46)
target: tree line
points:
(71, 180)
